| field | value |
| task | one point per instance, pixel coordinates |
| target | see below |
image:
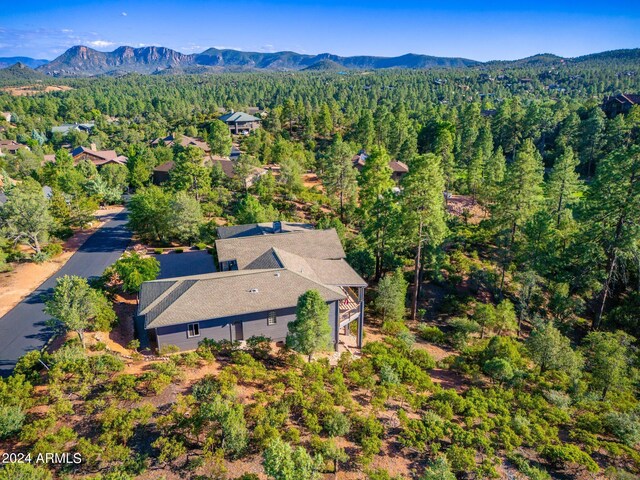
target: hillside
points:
(84, 61)
(28, 61)
(19, 73)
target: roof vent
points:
(253, 290)
(277, 274)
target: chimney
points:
(93, 147)
(277, 227)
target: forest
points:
(503, 306)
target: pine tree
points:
(310, 332)
(613, 213)
(424, 209)
(340, 177)
(519, 194)
(219, 139)
(563, 184)
(377, 203)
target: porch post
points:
(361, 317)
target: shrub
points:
(168, 350)
(624, 426)
(62, 233)
(158, 251)
(568, 454)
(52, 249)
(178, 250)
(11, 419)
(461, 459)
(335, 424)
(393, 327)
(422, 359)
(431, 334)
(200, 246)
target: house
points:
(257, 290)
(184, 141)
(398, 169)
(6, 116)
(612, 105)
(11, 147)
(240, 122)
(98, 157)
(228, 167)
(161, 173)
(266, 228)
(65, 128)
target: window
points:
(193, 330)
(271, 318)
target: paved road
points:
(23, 328)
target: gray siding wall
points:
(253, 324)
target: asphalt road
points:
(24, 327)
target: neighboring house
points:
(161, 173)
(398, 169)
(228, 167)
(257, 290)
(68, 127)
(615, 104)
(98, 157)
(240, 122)
(11, 147)
(184, 141)
(6, 116)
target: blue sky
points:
(478, 30)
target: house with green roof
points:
(263, 271)
(240, 122)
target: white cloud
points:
(124, 14)
(66, 30)
(268, 48)
(101, 43)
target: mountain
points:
(324, 65)
(19, 73)
(28, 61)
(84, 61)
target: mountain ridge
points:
(81, 60)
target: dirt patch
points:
(464, 206)
(311, 180)
(35, 89)
(26, 277)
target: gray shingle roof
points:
(234, 117)
(322, 244)
(264, 228)
(225, 294)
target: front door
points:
(239, 331)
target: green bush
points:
(335, 424)
(564, 455)
(158, 251)
(200, 246)
(11, 419)
(624, 426)
(52, 249)
(178, 250)
(431, 334)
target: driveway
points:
(23, 328)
